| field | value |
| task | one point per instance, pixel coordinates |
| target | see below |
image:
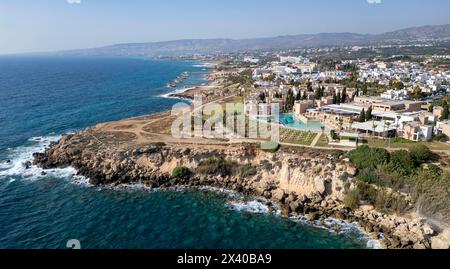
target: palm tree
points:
(374, 127)
(351, 123)
(388, 124)
(398, 121)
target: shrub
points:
(216, 166)
(441, 137)
(367, 192)
(266, 165)
(391, 176)
(382, 199)
(402, 161)
(431, 192)
(351, 200)
(333, 135)
(420, 154)
(368, 175)
(366, 157)
(247, 170)
(181, 172)
(390, 202)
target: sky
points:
(52, 25)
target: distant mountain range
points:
(208, 46)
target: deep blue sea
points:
(42, 98)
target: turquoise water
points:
(41, 98)
(291, 121)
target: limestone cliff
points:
(299, 181)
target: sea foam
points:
(21, 158)
(176, 91)
(255, 207)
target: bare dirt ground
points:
(156, 128)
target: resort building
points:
(375, 128)
(324, 101)
(379, 104)
(446, 129)
(300, 107)
(442, 127)
(415, 131)
(437, 111)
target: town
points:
(390, 101)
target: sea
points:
(45, 97)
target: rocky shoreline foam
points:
(300, 182)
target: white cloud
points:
(374, 1)
(73, 2)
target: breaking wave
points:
(18, 165)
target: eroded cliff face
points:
(303, 172)
(299, 181)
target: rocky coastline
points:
(300, 182)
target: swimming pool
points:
(291, 121)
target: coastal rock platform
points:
(299, 181)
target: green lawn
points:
(297, 137)
(403, 143)
(323, 141)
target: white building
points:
(395, 95)
(290, 59)
(251, 60)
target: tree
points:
(290, 100)
(362, 116)
(344, 96)
(317, 94)
(369, 158)
(374, 128)
(397, 85)
(369, 113)
(298, 97)
(334, 98)
(305, 95)
(388, 124)
(338, 98)
(309, 86)
(364, 89)
(420, 154)
(445, 112)
(431, 108)
(402, 161)
(417, 93)
(262, 96)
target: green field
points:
(406, 144)
(323, 141)
(297, 137)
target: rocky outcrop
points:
(299, 181)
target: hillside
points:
(207, 46)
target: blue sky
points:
(47, 25)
